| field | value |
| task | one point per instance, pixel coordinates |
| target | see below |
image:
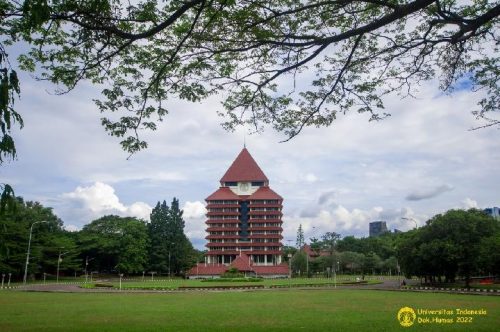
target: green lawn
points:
(288, 310)
(175, 283)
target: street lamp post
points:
(58, 263)
(121, 276)
(334, 277)
(8, 283)
(169, 266)
(399, 273)
(87, 260)
(307, 264)
(290, 269)
(28, 252)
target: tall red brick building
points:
(244, 225)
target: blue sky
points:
(420, 161)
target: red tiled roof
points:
(244, 168)
(308, 250)
(242, 263)
(215, 270)
(223, 193)
(264, 193)
(208, 269)
(275, 269)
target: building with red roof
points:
(244, 226)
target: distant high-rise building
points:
(494, 212)
(378, 228)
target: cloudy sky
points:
(421, 161)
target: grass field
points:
(176, 283)
(289, 310)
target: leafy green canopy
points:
(284, 63)
(115, 244)
(48, 238)
(458, 242)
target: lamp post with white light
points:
(59, 262)
(87, 260)
(28, 253)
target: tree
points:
(371, 263)
(116, 244)
(170, 249)
(329, 241)
(315, 244)
(390, 265)
(352, 261)
(334, 56)
(15, 227)
(288, 250)
(449, 244)
(300, 238)
(489, 257)
(299, 262)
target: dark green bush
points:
(103, 285)
(233, 280)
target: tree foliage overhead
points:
(284, 63)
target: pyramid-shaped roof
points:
(242, 263)
(244, 168)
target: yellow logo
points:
(406, 316)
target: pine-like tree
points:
(170, 251)
(300, 237)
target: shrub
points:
(233, 273)
(233, 280)
(103, 285)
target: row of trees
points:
(345, 255)
(110, 244)
(455, 244)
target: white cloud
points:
(71, 228)
(310, 177)
(194, 210)
(194, 216)
(469, 204)
(100, 199)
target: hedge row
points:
(220, 286)
(233, 280)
